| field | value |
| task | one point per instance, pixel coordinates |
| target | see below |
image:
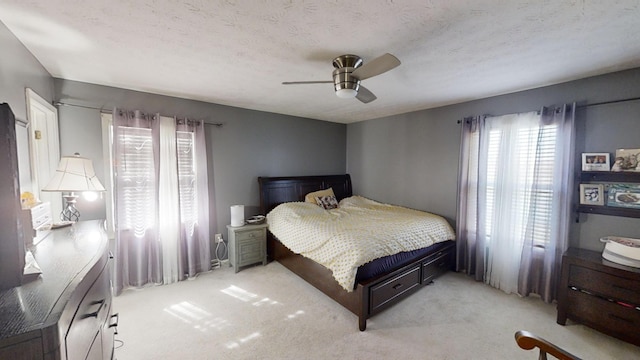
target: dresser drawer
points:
(41, 210)
(43, 221)
(384, 293)
(604, 315)
(601, 283)
(250, 235)
(437, 265)
(83, 334)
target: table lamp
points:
(74, 174)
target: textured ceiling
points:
(237, 52)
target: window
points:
(515, 198)
(531, 156)
(135, 170)
(159, 197)
(187, 179)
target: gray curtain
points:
(540, 266)
(139, 250)
(481, 223)
(195, 234)
(470, 247)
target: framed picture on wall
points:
(595, 162)
(626, 160)
(591, 194)
(624, 195)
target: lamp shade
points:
(74, 174)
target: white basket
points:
(621, 250)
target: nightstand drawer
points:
(250, 251)
(251, 235)
(601, 283)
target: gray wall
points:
(409, 159)
(19, 70)
(412, 159)
(248, 144)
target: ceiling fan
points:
(349, 72)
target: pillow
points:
(327, 202)
(311, 197)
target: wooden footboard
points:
(374, 295)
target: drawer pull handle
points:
(114, 324)
(397, 286)
(95, 313)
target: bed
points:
(372, 293)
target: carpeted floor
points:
(267, 312)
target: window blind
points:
(534, 157)
(136, 178)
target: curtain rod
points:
(598, 103)
(60, 103)
(609, 102)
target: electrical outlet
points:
(219, 238)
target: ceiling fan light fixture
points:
(349, 70)
(346, 93)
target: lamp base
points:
(70, 213)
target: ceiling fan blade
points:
(376, 66)
(365, 95)
(305, 82)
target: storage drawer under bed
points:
(437, 265)
(384, 293)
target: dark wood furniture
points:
(66, 312)
(11, 227)
(610, 177)
(600, 294)
(528, 341)
(370, 296)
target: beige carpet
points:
(267, 312)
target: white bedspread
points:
(358, 231)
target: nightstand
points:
(247, 245)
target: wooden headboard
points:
(277, 190)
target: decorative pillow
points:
(327, 202)
(311, 197)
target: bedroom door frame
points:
(44, 147)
